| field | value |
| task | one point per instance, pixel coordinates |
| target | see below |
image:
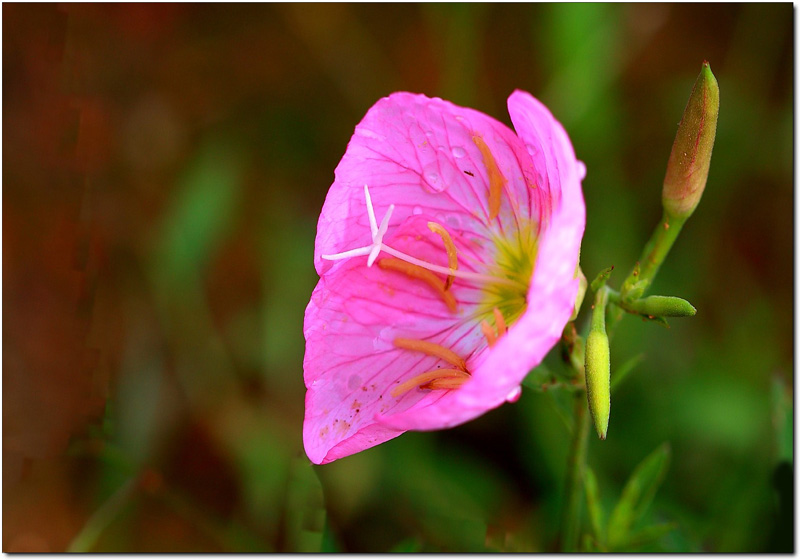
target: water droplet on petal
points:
(531, 150)
(416, 211)
(383, 342)
(581, 170)
(433, 180)
(367, 133)
(459, 152)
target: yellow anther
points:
(430, 377)
(488, 333)
(421, 274)
(496, 179)
(452, 257)
(432, 350)
(500, 322)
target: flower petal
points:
(420, 153)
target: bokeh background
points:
(163, 170)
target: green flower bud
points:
(601, 279)
(597, 366)
(687, 170)
(598, 380)
(662, 306)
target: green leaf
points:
(637, 495)
(593, 505)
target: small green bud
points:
(662, 306)
(601, 279)
(598, 379)
(635, 291)
(687, 170)
(597, 365)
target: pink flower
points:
(447, 251)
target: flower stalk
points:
(576, 465)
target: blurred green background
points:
(163, 170)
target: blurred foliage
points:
(163, 169)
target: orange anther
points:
(420, 273)
(445, 383)
(432, 350)
(496, 179)
(452, 257)
(488, 333)
(430, 377)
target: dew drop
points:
(383, 342)
(581, 170)
(459, 152)
(416, 211)
(367, 133)
(433, 180)
(531, 150)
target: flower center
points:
(513, 262)
(505, 288)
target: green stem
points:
(570, 520)
(653, 255)
(657, 248)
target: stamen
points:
(421, 274)
(445, 383)
(377, 245)
(430, 377)
(432, 350)
(488, 332)
(500, 322)
(452, 257)
(496, 179)
(465, 274)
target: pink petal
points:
(419, 154)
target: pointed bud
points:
(597, 366)
(687, 169)
(598, 379)
(601, 279)
(662, 306)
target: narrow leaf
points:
(637, 495)
(593, 505)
